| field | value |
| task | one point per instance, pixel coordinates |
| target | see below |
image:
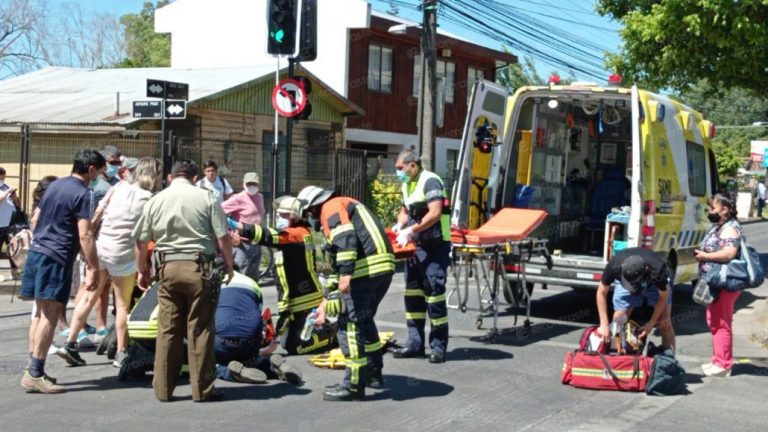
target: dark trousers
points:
(760, 206)
(425, 277)
(357, 332)
(186, 308)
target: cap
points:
(634, 274)
(131, 163)
(251, 177)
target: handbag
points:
(740, 273)
(702, 293)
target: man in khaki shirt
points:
(186, 223)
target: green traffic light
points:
(278, 36)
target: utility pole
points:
(427, 98)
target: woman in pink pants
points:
(720, 245)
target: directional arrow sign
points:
(167, 89)
(147, 109)
(176, 109)
(289, 98)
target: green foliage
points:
(676, 43)
(145, 48)
(386, 198)
(524, 74)
(728, 159)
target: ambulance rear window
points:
(697, 169)
(494, 103)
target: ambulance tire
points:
(513, 293)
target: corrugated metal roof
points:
(89, 96)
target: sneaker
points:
(120, 358)
(717, 371)
(245, 374)
(48, 377)
(71, 356)
(90, 329)
(40, 385)
(83, 341)
(284, 371)
(64, 333)
(706, 366)
(100, 335)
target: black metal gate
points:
(350, 176)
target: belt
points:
(184, 256)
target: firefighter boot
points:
(340, 393)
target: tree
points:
(21, 24)
(145, 47)
(524, 74)
(676, 43)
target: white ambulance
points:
(613, 167)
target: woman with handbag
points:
(720, 245)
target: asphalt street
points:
(511, 385)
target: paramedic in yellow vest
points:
(424, 220)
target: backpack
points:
(18, 247)
(666, 376)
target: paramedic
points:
(298, 288)
(362, 255)
(637, 274)
(188, 290)
(423, 218)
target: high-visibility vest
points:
(416, 201)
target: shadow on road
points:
(474, 354)
(402, 388)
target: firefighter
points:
(423, 219)
(363, 258)
(299, 290)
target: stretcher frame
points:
(478, 260)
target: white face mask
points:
(282, 223)
(253, 190)
(2, 183)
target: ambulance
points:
(613, 168)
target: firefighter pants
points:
(186, 309)
(425, 277)
(357, 332)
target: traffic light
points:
(281, 24)
(307, 31)
(306, 84)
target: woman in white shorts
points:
(115, 248)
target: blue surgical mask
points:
(112, 170)
(282, 223)
(402, 177)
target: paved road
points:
(511, 385)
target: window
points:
(473, 75)
(380, 68)
(444, 69)
(697, 170)
(451, 159)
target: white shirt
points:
(762, 191)
(6, 208)
(219, 187)
(115, 243)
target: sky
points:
(576, 17)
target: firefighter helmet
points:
(311, 196)
(289, 204)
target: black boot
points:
(343, 394)
(408, 353)
(375, 379)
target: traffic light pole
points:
(288, 138)
(427, 97)
(275, 144)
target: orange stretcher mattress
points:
(509, 224)
(400, 252)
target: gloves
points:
(333, 305)
(231, 223)
(396, 227)
(404, 236)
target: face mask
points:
(112, 170)
(282, 223)
(93, 183)
(402, 177)
(713, 217)
(2, 183)
(253, 190)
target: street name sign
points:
(167, 89)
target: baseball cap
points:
(131, 163)
(634, 275)
(251, 177)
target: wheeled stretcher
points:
(495, 256)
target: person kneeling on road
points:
(637, 274)
(239, 328)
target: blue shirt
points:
(238, 314)
(56, 235)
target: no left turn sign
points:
(289, 98)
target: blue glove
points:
(232, 223)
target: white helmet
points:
(289, 204)
(311, 196)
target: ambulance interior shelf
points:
(502, 242)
